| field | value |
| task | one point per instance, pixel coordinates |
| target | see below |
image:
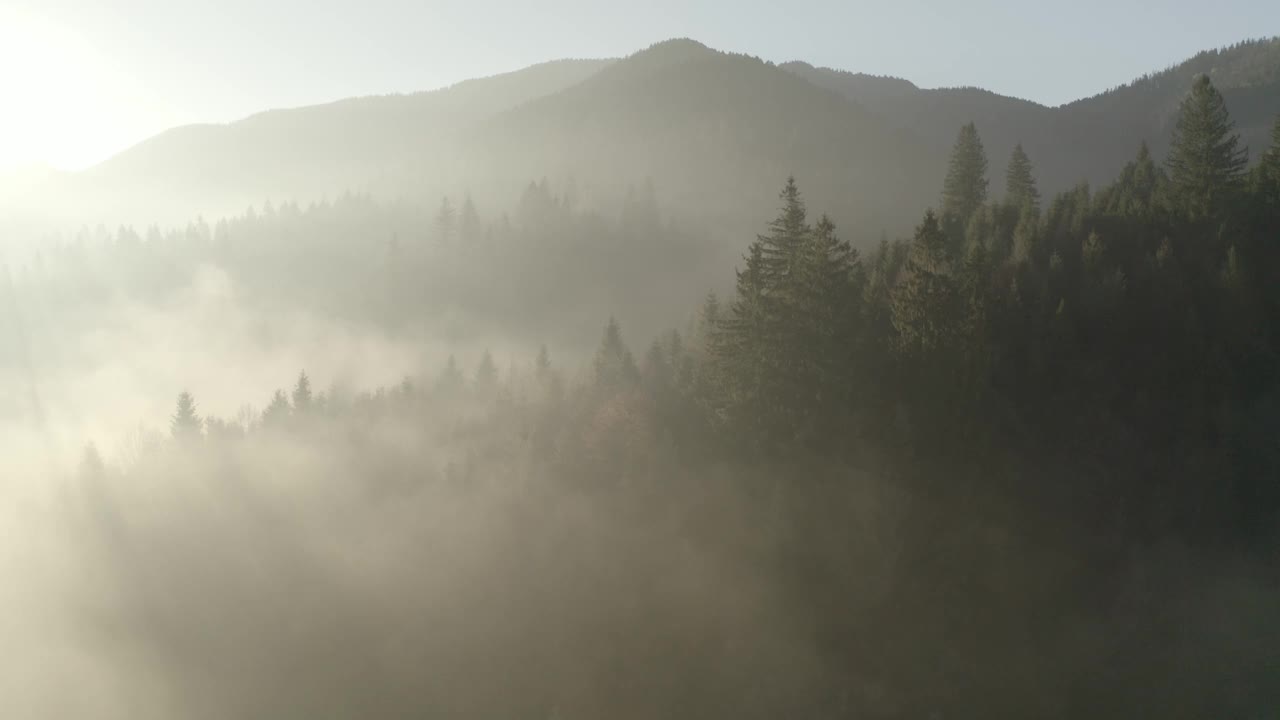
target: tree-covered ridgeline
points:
(965, 455)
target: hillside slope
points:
(1089, 139)
(716, 133)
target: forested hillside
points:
(1021, 463)
(1086, 140)
(711, 130)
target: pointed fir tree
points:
(614, 366)
(185, 424)
(826, 314)
(656, 371)
(450, 380)
(924, 300)
(278, 411)
(1020, 184)
(965, 187)
(1206, 163)
(486, 373)
(1135, 192)
(302, 395)
(974, 289)
(1026, 235)
(743, 348)
(781, 247)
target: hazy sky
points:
(83, 79)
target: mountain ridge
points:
(698, 121)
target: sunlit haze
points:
(639, 359)
(84, 79)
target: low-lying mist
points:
(392, 459)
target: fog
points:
(682, 384)
(409, 558)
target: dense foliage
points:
(992, 469)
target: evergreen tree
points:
(1135, 193)
(1020, 185)
(486, 373)
(1026, 235)
(981, 228)
(1206, 163)
(762, 341)
(614, 366)
(278, 411)
(302, 397)
(740, 337)
(450, 380)
(708, 320)
(974, 288)
(924, 301)
(185, 424)
(781, 249)
(931, 322)
(826, 315)
(965, 187)
(656, 372)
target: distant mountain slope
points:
(1248, 74)
(715, 132)
(307, 151)
(1089, 139)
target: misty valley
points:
(682, 385)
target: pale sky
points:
(84, 79)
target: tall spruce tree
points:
(615, 367)
(486, 373)
(302, 395)
(1020, 184)
(826, 313)
(1026, 235)
(783, 346)
(965, 187)
(1206, 163)
(925, 299)
(185, 424)
(782, 247)
(1134, 193)
(278, 411)
(450, 382)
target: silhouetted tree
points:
(185, 424)
(614, 366)
(965, 187)
(1020, 185)
(302, 397)
(486, 373)
(1206, 163)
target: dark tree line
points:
(963, 455)
(1131, 328)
